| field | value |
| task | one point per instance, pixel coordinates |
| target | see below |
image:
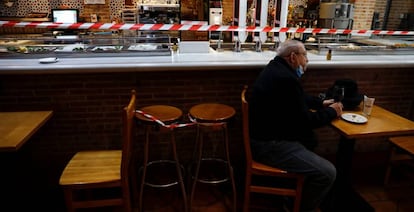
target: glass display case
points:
(94, 45)
(369, 45)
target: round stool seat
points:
(164, 113)
(212, 112)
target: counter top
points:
(191, 61)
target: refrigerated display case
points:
(352, 45)
(96, 45)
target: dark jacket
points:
(279, 109)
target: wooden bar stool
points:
(167, 115)
(211, 117)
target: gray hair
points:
(287, 47)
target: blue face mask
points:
(299, 71)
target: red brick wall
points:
(398, 7)
(88, 107)
(380, 8)
(364, 10)
(103, 12)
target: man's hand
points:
(328, 102)
(338, 108)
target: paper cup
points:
(368, 104)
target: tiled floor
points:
(398, 197)
(368, 182)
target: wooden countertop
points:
(17, 127)
(194, 61)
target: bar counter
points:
(194, 61)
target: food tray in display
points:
(393, 43)
(72, 48)
(106, 48)
(29, 49)
(144, 47)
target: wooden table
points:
(17, 127)
(381, 122)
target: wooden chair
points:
(90, 174)
(254, 168)
(402, 149)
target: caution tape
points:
(170, 126)
(194, 27)
(177, 125)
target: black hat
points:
(352, 98)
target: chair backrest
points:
(246, 135)
(128, 116)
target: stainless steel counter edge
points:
(194, 61)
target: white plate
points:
(49, 60)
(354, 118)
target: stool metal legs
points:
(230, 168)
(178, 168)
(199, 149)
(144, 168)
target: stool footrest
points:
(211, 181)
(214, 180)
(161, 163)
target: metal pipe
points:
(386, 14)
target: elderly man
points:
(282, 119)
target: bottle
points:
(174, 47)
(296, 35)
(329, 55)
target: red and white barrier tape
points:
(171, 126)
(175, 125)
(196, 27)
(190, 22)
(193, 120)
